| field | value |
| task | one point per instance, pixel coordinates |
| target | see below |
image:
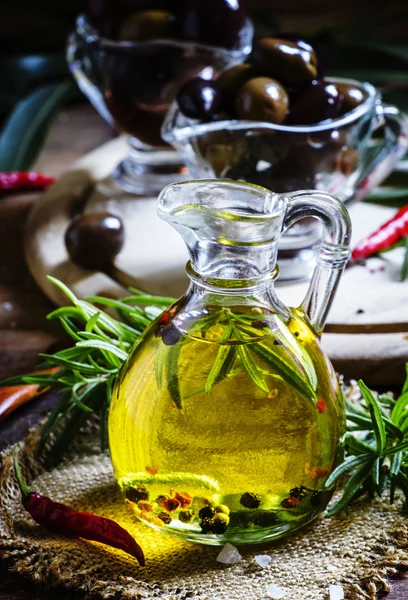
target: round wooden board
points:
(367, 331)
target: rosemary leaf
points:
(159, 364)
(396, 461)
(92, 322)
(220, 360)
(217, 367)
(400, 407)
(348, 464)
(355, 446)
(172, 364)
(228, 364)
(252, 369)
(352, 487)
(375, 471)
(111, 348)
(284, 370)
(376, 416)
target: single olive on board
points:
(199, 99)
(148, 25)
(94, 240)
(230, 81)
(213, 22)
(319, 102)
(351, 96)
(287, 61)
(262, 99)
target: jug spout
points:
(231, 229)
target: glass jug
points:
(227, 418)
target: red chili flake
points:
(143, 505)
(171, 504)
(290, 502)
(152, 470)
(318, 472)
(185, 499)
(321, 405)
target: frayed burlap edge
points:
(30, 556)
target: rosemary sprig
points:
(376, 446)
(89, 369)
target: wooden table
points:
(24, 331)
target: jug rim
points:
(273, 201)
(171, 132)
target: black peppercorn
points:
(207, 525)
(298, 492)
(250, 500)
(206, 513)
(218, 527)
(165, 517)
(170, 335)
(137, 494)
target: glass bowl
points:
(132, 84)
(346, 157)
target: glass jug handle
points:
(331, 254)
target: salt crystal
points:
(229, 555)
(336, 592)
(7, 306)
(275, 592)
(263, 560)
(330, 567)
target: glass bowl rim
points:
(87, 31)
(171, 132)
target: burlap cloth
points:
(356, 551)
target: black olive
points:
(262, 99)
(230, 81)
(94, 240)
(319, 102)
(213, 22)
(351, 95)
(199, 99)
(288, 62)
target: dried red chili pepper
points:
(14, 396)
(24, 180)
(60, 518)
(384, 237)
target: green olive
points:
(284, 60)
(351, 95)
(262, 99)
(147, 25)
(230, 81)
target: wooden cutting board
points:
(367, 331)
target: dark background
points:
(42, 25)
